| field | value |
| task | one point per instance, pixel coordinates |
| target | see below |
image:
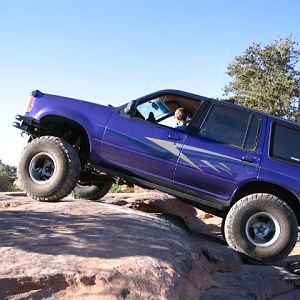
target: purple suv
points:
(237, 163)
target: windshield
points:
(158, 108)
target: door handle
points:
(247, 158)
(173, 137)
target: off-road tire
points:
(66, 168)
(245, 237)
(91, 192)
(223, 230)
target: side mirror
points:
(131, 108)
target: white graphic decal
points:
(209, 152)
(173, 148)
(226, 167)
(210, 165)
(170, 146)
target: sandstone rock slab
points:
(76, 249)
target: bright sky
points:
(114, 51)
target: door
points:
(141, 145)
(222, 152)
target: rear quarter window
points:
(285, 143)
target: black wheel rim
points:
(42, 168)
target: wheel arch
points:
(266, 187)
(68, 129)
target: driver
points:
(181, 118)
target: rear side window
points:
(285, 143)
(231, 126)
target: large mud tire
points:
(49, 168)
(91, 192)
(262, 226)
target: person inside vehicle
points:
(181, 119)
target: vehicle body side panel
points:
(277, 172)
(217, 168)
(216, 171)
(141, 147)
(92, 117)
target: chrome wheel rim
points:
(42, 168)
(262, 229)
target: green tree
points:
(266, 78)
(7, 176)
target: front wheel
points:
(262, 226)
(91, 192)
(49, 168)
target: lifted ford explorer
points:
(237, 163)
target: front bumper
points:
(26, 124)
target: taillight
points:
(30, 104)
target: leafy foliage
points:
(266, 78)
(121, 189)
(116, 188)
(7, 175)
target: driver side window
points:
(162, 110)
(153, 110)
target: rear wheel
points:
(262, 226)
(49, 168)
(91, 192)
(223, 230)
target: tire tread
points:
(71, 168)
(255, 200)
